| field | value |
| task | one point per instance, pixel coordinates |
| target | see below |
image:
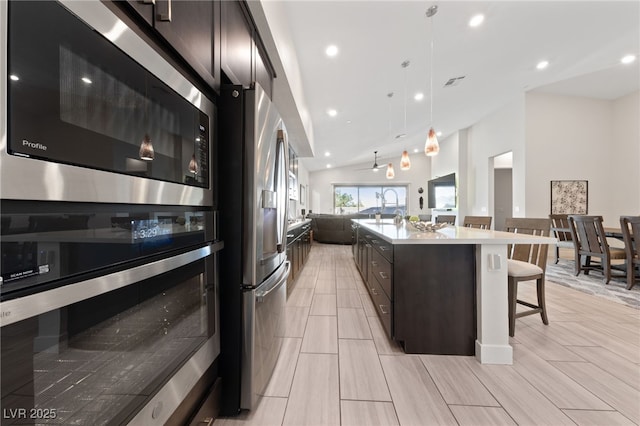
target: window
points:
(369, 199)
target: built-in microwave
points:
(95, 114)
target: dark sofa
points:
(334, 228)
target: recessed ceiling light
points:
(418, 96)
(87, 80)
(331, 50)
(438, 134)
(476, 20)
(348, 121)
(542, 65)
(332, 112)
(328, 166)
(628, 59)
(14, 77)
(327, 154)
(416, 150)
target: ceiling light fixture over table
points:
(431, 147)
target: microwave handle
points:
(164, 15)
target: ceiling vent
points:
(455, 81)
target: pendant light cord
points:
(389, 95)
(405, 65)
(431, 75)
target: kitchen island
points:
(442, 292)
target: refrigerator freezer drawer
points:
(264, 326)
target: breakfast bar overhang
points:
(488, 252)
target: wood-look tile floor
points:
(337, 366)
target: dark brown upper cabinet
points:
(190, 28)
(243, 57)
(236, 43)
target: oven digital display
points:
(149, 228)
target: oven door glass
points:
(98, 361)
(76, 98)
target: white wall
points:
(321, 182)
(500, 132)
(571, 137)
(624, 172)
(447, 160)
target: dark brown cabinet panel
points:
(189, 27)
(434, 286)
(298, 246)
(382, 270)
(144, 8)
(236, 43)
(424, 294)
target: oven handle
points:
(22, 308)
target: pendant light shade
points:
(432, 147)
(193, 165)
(390, 173)
(146, 149)
(405, 162)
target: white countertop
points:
(294, 225)
(406, 234)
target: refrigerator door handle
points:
(282, 189)
(282, 279)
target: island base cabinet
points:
(434, 300)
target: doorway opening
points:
(502, 189)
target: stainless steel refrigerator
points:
(253, 167)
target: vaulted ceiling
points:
(583, 41)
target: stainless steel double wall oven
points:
(109, 240)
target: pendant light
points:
(193, 165)
(431, 146)
(405, 161)
(146, 147)
(390, 172)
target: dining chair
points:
(590, 241)
(446, 218)
(630, 226)
(527, 262)
(480, 222)
(562, 232)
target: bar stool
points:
(527, 262)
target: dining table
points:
(613, 232)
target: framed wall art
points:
(569, 196)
